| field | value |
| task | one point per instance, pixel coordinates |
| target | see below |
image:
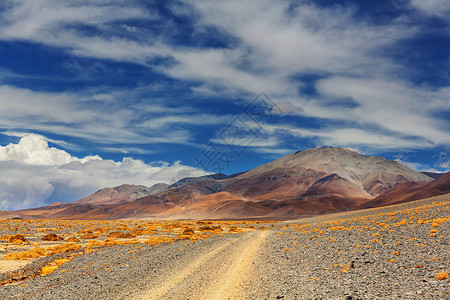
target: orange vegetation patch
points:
(23, 255)
(188, 231)
(40, 251)
(89, 236)
(442, 275)
(52, 237)
(63, 248)
(73, 239)
(120, 235)
(17, 239)
(105, 233)
(53, 266)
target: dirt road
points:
(220, 273)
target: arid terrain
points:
(400, 251)
(237, 149)
(304, 183)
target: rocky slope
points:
(410, 191)
(313, 181)
(121, 194)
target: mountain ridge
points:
(312, 181)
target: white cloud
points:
(33, 149)
(247, 140)
(89, 116)
(199, 119)
(412, 165)
(54, 23)
(62, 143)
(275, 151)
(391, 105)
(349, 137)
(276, 45)
(34, 174)
(273, 42)
(278, 41)
(443, 160)
(439, 8)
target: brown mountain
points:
(312, 181)
(409, 191)
(321, 180)
(121, 194)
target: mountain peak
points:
(372, 173)
(122, 194)
(327, 151)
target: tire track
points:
(158, 291)
(219, 274)
(230, 285)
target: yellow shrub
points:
(63, 248)
(32, 253)
(442, 275)
(48, 269)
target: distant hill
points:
(433, 174)
(191, 180)
(121, 194)
(409, 191)
(313, 181)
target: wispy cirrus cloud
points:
(101, 118)
(439, 8)
(360, 92)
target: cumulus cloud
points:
(33, 174)
(33, 149)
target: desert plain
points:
(394, 252)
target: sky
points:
(100, 93)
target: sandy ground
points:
(11, 265)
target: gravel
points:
(311, 269)
(289, 264)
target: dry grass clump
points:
(234, 229)
(89, 236)
(24, 255)
(5, 237)
(40, 251)
(120, 235)
(73, 239)
(55, 265)
(442, 275)
(52, 237)
(206, 229)
(210, 228)
(158, 240)
(17, 239)
(63, 248)
(104, 233)
(188, 231)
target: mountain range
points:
(308, 182)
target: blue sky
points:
(98, 93)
